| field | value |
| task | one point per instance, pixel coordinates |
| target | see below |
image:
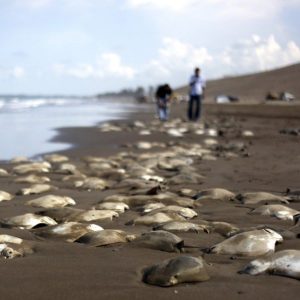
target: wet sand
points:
(64, 270)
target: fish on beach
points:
(251, 243)
(35, 189)
(68, 231)
(26, 221)
(283, 263)
(278, 211)
(175, 271)
(105, 237)
(51, 201)
(5, 196)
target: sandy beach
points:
(268, 161)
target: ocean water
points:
(28, 123)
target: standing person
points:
(163, 95)
(197, 89)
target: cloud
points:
(229, 8)
(258, 54)
(175, 60)
(18, 72)
(81, 71)
(33, 3)
(111, 64)
(107, 65)
(12, 72)
(250, 9)
(174, 5)
(176, 57)
(68, 38)
(40, 4)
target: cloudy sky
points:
(91, 46)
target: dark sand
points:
(61, 270)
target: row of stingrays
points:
(145, 177)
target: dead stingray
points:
(160, 240)
(105, 237)
(176, 270)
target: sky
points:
(85, 47)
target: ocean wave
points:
(15, 104)
(2, 103)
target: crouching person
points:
(163, 95)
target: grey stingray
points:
(160, 240)
(261, 198)
(176, 270)
(69, 231)
(278, 211)
(166, 198)
(27, 221)
(284, 263)
(13, 250)
(105, 237)
(186, 178)
(35, 189)
(155, 219)
(223, 228)
(287, 234)
(214, 194)
(182, 226)
(68, 214)
(250, 243)
(185, 212)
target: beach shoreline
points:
(69, 270)
(81, 137)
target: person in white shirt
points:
(197, 89)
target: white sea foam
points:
(2, 103)
(13, 104)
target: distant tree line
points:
(140, 93)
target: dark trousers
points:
(194, 108)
